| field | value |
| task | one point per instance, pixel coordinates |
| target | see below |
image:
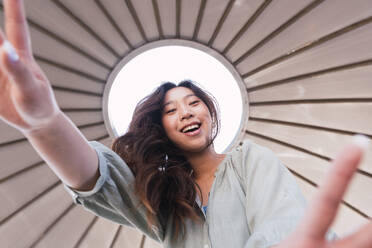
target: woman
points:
(251, 198)
(28, 104)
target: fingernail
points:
(9, 49)
(361, 140)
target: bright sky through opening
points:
(141, 75)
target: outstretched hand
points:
(27, 101)
(322, 210)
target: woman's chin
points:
(195, 147)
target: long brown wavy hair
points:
(163, 177)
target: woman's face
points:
(186, 119)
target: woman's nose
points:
(185, 113)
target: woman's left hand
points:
(322, 210)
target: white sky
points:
(145, 72)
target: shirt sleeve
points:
(274, 202)
(113, 195)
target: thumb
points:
(14, 67)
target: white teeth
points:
(190, 127)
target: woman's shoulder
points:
(250, 157)
(248, 149)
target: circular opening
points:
(140, 74)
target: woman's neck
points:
(205, 163)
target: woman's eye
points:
(194, 102)
(169, 111)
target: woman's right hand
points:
(27, 100)
(322, 210)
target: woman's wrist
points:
(47, 126)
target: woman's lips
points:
(193, 133)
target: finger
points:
(2, 37)
(14, 67)
(360, 239)
(323, 208)
(16, 27)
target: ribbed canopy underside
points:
(306, 65)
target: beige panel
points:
(354, 117)
(346, 220)
(76, 100)
(167, 9)
(189, 15)
(322, 142)
(128, 237)
(18, 190)
(348, 48)
(92, 15)
(214, 10)
(63, 78)
(27, 226)
(271, 18)
(49, 16)
(94, 132)
(314, 169)
(238, 16)
(150, 243)
(67, 231)
(100, 235)
(120, 13)
(11, 161)
(53, 50)
(145, 12)
(107, 142)
(353, 83)
(326, 18)
(82, 118)
(8, 133)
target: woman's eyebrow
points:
(169, 102)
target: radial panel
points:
(212, 16)
(120, 13)
(167, 12)
(91, 16)
(100, 233)
(323, 19)
(322, 143)
(27, 227)
(72, 225)
(307, 65)
(349, 83)
(189, 16)
(38, 180)
(346, 116)
(50, 18)
(8, 133)
(72, 99)
(236, 20)
(72, 79)
(276, 17)
(128, 237)
(144, 11)
(11, 161)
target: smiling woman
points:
(164, 177)
(157, 135)
(146, 67)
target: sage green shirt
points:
(254, 201)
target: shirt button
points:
(154, 228)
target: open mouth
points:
(191, 128)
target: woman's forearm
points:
(67, 152)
